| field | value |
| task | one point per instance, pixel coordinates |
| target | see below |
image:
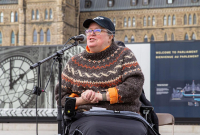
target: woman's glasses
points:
(95, 31)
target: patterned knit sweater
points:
(114, 67)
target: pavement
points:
(52, 129)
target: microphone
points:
(80, 37)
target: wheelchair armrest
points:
(145, 110)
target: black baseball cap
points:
(102, 21)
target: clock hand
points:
(11, 86)
(20, 77)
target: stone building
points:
(147, 20)
(38, 22)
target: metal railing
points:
(8, 2)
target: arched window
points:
(1, 17)
(193, 37)
(129, 22)
(145, 38)
(133, 21)
(16, 17)
(12, 16)
(35, 36)
(12, 37)
(165, 21)
(165, 37)
(153, 21)
(50, 14)
(185, 19)
(149, 21)
(169, 20)
(114, 22)
(132, 39)
(174, 20)
(33, 15)
(48, 35)
(41, 36)
(152, 38)
(46, 14)
(186, 37)
(145, 21)
(190, 19)
(18, 38)
(125, 39)
(0, 38)
(172, 37)
(194, 19)
(37, 14)
(125, 23)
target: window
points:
(110, 3)
(129, 22)
(50, 14)
(145, 2)
(165, 20)
(18, 38)
(114, 22)
(37, 14)
(16, 17)
(33, 15)
(0, 38)
(152, 38)
(125, 23)
(145, 38)
(149, 21)
(153, 21)
(144, 21)
(193, 37)
(132, 39)
(169, 1)
(12, 17)
(174, 20)
(190, 19)
(194, 1)
(48, 35)
(194, 19)
(41, 36)
(133, 2)
(172, 37)
(165, 37)
(126, 39)
(46, 14)
(186, 37)
(1, 17)
(133, 21)
(35, 36)
(12, 37)
(169, 20)
(185, 19)
(88, 4)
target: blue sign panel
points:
(175, 78)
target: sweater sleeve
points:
(65, 88)
(132, 81)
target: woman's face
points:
(97, 43)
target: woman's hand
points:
(90, 96)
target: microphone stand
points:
(58, 57)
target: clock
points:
(17, 81)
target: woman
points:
(104, 75)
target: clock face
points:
(16, 82)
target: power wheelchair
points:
(147, 116)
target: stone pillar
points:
(22, 23)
